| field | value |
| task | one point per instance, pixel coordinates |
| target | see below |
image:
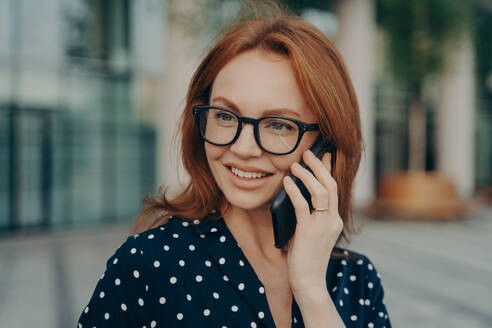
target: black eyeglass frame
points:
(303, 127)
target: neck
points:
(253, 230)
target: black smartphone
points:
(283, 214)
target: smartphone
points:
(283, 214)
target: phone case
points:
(283, 213)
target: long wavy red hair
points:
(325, 84)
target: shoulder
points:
(352, 269)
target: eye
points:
(280, 126)
(224, 117)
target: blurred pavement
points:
(435, 274)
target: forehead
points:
(257, 81)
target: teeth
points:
(247, 175)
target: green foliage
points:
(483, 49)
(418, 33)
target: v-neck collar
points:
(223, 248)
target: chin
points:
(249, 203)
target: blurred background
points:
(90, 96)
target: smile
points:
(247, 175)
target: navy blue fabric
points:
(193, 274)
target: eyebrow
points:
(267, 112)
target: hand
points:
(316, 233)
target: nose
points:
(245, 145)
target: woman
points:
(206, 258)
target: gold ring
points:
(320, 209)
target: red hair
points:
(324, 83)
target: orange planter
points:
(417, 195)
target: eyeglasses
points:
(275, 135)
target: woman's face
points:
(256, 84)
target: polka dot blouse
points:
(193, 274)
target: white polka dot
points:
(370, 285)
(213, 230)
(175, 235)
(253, 324)
(102, 276)
(136, 274)
(157, 264)
(202, 235)
(123, 306)
(353, 317)
(261, 315)
(370, 325)
(341, 303)
(344, 262)
(206, 312)
(345, 252)
(381, 314)
(166, 248)
(222, 239)
(367, 302)
(334, 289)
(115, 261)
(151, 236)
(80, 325)
(198, 278)
(191, 247)
(162, 300)
(101, 294)
(261, 290)
(162, 228)
(226, 278)
(185, 224)
(153, 324)
(117, 282)
(106, 315)
(180, 316)
(173, 280)
(188, 297)
(370, 267)
(208, 263)
(361, 301)
(353, 278)
(216, 295)
(140, 302)
(146, 288)
(240, 286)
(360, 262)
(378, 275)
(222, 260)
(346, 291)
(241, 263)
(133, 251)
(234, 308)
(141, 252)
(340, 274)
(86, 309)
(181, 263)
(196, 221)
(295, 320)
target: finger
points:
(331, 183)
(301, 206)
(322, 171)
(319, 195)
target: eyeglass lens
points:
(276, 135)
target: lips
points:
(247, 179)
(247, 168)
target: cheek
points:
(283, 163)
(213, 153)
